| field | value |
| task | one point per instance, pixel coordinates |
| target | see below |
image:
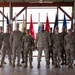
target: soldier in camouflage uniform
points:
(51, 47)
(1, 32)
(28, 42)
(57, 47)
(63, 54)
(0, 37)
(42, 43)
(16, 43)
(69, 48)
(74, 41)
(6, 46)
(22, 52)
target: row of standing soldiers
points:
(15, 43)
(58, 46)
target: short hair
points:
(41, 25)
(69, 29)
(63, 27)
(17, 24)
(50, 28)
(1, 27)
(28, 30)
(24, 28)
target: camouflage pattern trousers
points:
(6, 48)
(16, 52)
(26, 53)
(46, 51)
(56, 56)
(69, 56)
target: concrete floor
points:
(8, 70)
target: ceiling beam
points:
(44, 4)
(4, 1)
(23, 4)
(23, 0)
(2, 4)
(3, 14)
(65, 13)
(19, 13)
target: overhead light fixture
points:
(43, 1)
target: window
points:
(19, 18)
(51, 11)
(51, 15)
(68, 10)
(6, 12)
(1, 17)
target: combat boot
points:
(10, 63)
(4, 62)
(25, 65)
(22, 62)
(74, 64)
(38, 65)
(47, 64)
(62, 63)
(1, 65)
(18, 64)
(13, 64)
(56, 65)
(70, 66)
(31, 66)
(59, 66)
(52, 62)
(66, 63)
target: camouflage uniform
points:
(51, 48)
(0, 40)
(42, 43)
(6, 47)
(28, 43)
(69, 47)
(74, 44)
(63, 54)
(16, 43)
(57, 49)
(22, 52)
